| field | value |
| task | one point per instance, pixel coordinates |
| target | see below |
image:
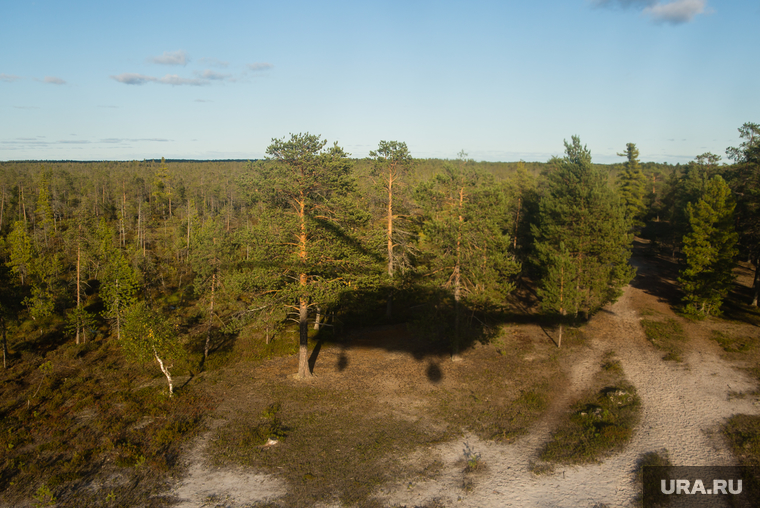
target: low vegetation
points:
(600, 423)
(80, 416)
(667, 335)
(366, 441)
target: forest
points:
(160, 267)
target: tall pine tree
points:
(710, 247)
(632, 185)
(581, 219)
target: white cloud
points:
(130, 78)
(259, 66)
(173, 79)
(53, 80)
(209, 74)
(623, 3)
(9, 78)
(213, 62)
(676, 12)
(202, 100)
(171, 58)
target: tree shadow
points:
(434, 373)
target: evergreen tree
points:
(464, 239)
(710, 247)
(210, 256)
(632, 185)
(557, 293)
(581, 217)
(306, 179)
(745, 182)
(392, 162)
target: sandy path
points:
(683, 408)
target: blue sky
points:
(501, 80)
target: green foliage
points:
(710, 247)
(581, 220)
(601, 423)
(44, 497)
(147, 334)
(21, 252)
(78, 319)
(632, 185)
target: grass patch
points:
(600, 423)
(732, 344)
(331, 443)
(743, 435)
(651, 459)
(667, 336)
(501, 399)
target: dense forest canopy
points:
(313, 236)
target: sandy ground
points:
(683, 407)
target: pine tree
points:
(581, 217)
(306, 179)
(557, 293)
(392, 162)
(632, 185)
(745, 182)
(710, 247)
(464, 241)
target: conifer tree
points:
(581, 217)
(710, 247)
(306, 179)
(557, 292)
(392, 162)
(210, 256)
(464, 241)
(632, 185)
(745, 182)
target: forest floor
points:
(388, 422)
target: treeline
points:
(312, 236)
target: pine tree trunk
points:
(756, 285)
(303, 308)
(210, 316)
(318, 319)
(458, 279)
(5, 342)
(517, 222)
(187, 244)
(390, 225)
(389, 304)
(303, 335)
(2, 209)
(78, 288)
(118, 312)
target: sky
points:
(501, 80)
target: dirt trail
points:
(683, 407)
